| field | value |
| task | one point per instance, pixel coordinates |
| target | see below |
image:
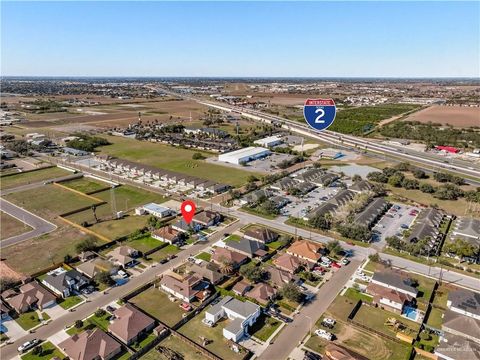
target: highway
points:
(39, 225)
(460, 167)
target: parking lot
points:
(299, 207)
(391, 223)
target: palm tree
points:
(226, 266)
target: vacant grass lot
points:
(174, 159)
(218, 345)
(12, 181)
(116, 228)
(11, 226)
(43, 251)
(358, 120)
(187, 351)
(156, 303)
(163, 253)
(49, 201)
(144, 243)
(48, 351)
(70, 301)
(85, 185)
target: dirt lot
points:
(457, 116)
(11, 226)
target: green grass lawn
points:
(28, 320)
(264, 327)
(187, 351)
(204, 256)
(174, 159)
(371, 266)
(233, 237)
(163, 253)
(91, 322)
(144, 243)
(441, 296)
(48, 351)
(257, 212)
(70, 301)
(357, 295)
(218, 345)
(144, 341)
(127, 197)
(435, 318)
(375, 318)
(156, 303)
(425, 287)
(50, 201)
(19, 179)
(117, 228)
(85, 185)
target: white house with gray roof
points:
(464, 302)
(242, 315)
(395, 281)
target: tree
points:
(103, 277)
(419, 174)
(100, 312)
(86, 245)
(37, 351)
(226, 266)
(403, 166)
(461, 248)
(396, 179)
(410, 184)
(198, 156)
(319, 222)
(252, 178)
(395, 242)
(356, 178)
(427, 188)
(292, 292)
(377, 176)
(253, 273)
(78, 324)
(334, 247)
(6, 283)
(374, 258)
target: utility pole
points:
(113, 202)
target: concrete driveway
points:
(12, 329)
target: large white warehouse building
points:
(244, 155)
(269, 141)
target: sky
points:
(241, 39)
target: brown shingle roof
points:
(188, 286)
(288, 262)
(129, 322)
(167, 232)
(262, 293)
(222, 254)
(89, 345)
(264, 235)
(30, 294)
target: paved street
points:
(100, 300)
(39, 225)
(304, 322)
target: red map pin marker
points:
(188, 210)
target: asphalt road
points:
(98, 300)
(304, 322)
(39, 225)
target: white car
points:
(123, 274)
(345, 261)
(28, 345)
(324, 334)
(325, 264)
(329, 321)
(209, 323)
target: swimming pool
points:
(410, 313)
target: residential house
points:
(261, 234)
(454, 347)
(188, 288)
(4, 311)
(279, 201)
(306, 250)
(129, 324)
(207, 218)
(464, 302)
(90, 345)
(32, 296)
(468, 229)
(288, 263)
(427, 224)
(284, 184)
(242, 315)
(310, 175)
(461, 325)
(65, 282)
(257, 195)
(241, 287)
(182, 226)
(222, 256)
(262, 293)
(167, 234)
(250, 248)
(278, 277)
(389, 299)
(92, 267)
(123, 256)
(208, 271)
(396, 281)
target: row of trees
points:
(87, 142)
(415, 248)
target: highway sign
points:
(319, 113)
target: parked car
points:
(404, 226)
(123, 274)
(186, 306)
(324, 334)
(209, 323)
(110, 308)
(345, 261)
(28, 345)
(325, 265)
(336, 265)
(311, 356)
